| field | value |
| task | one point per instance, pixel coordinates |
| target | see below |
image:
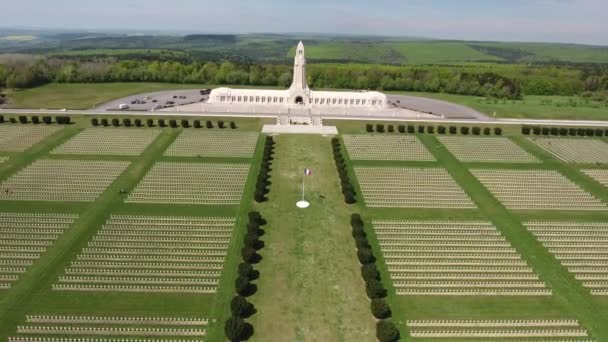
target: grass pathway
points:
(566, 289)
(310, 288)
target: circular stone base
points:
(302, 204)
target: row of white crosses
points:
(522, 330)
(411, 187)
(579, 246)
(192, 183)
(575, 150)
(536, 189)
(386, 147)
(24, 237)
(62, 180)
(18, 138)
(152, 254)
(453, 258)
(109, 141)
(486, 150)
(193, 143)
(54, 328)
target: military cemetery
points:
(227, 219)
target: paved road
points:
(325, 117)
(436, 107)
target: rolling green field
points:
(531, 107)
(397, 52)
(280, 48)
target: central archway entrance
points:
(299, 100)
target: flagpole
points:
(303, 179)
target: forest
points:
(502, 81)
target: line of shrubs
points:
(347, 187)
(564, 131)
(262, 186)
(127, 122)
(235, 328)
(386, 331)
(464, 130)
(61, 120)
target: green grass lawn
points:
(531, 107)
(310, 288)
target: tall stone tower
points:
(299, 93)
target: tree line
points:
(488, 80)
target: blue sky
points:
(576, 21)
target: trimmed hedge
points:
(262, 185)
(347, 188)
(373, 285)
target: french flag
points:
(307, 172)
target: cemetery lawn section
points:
(310, 288)
(569, 298)
(32, 293)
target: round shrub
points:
(375, 289)
(234, 329)
(358, 231)
(361, 242)
(252, 239)
(369, 271)
(245, 269)
(380, 309)
(240, 307)
(248, 254)
(386, 331)
(356, 220)
(365, 255)
(241, 285)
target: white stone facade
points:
(299, 94)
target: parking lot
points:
(155, 101)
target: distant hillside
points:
(280, 48)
